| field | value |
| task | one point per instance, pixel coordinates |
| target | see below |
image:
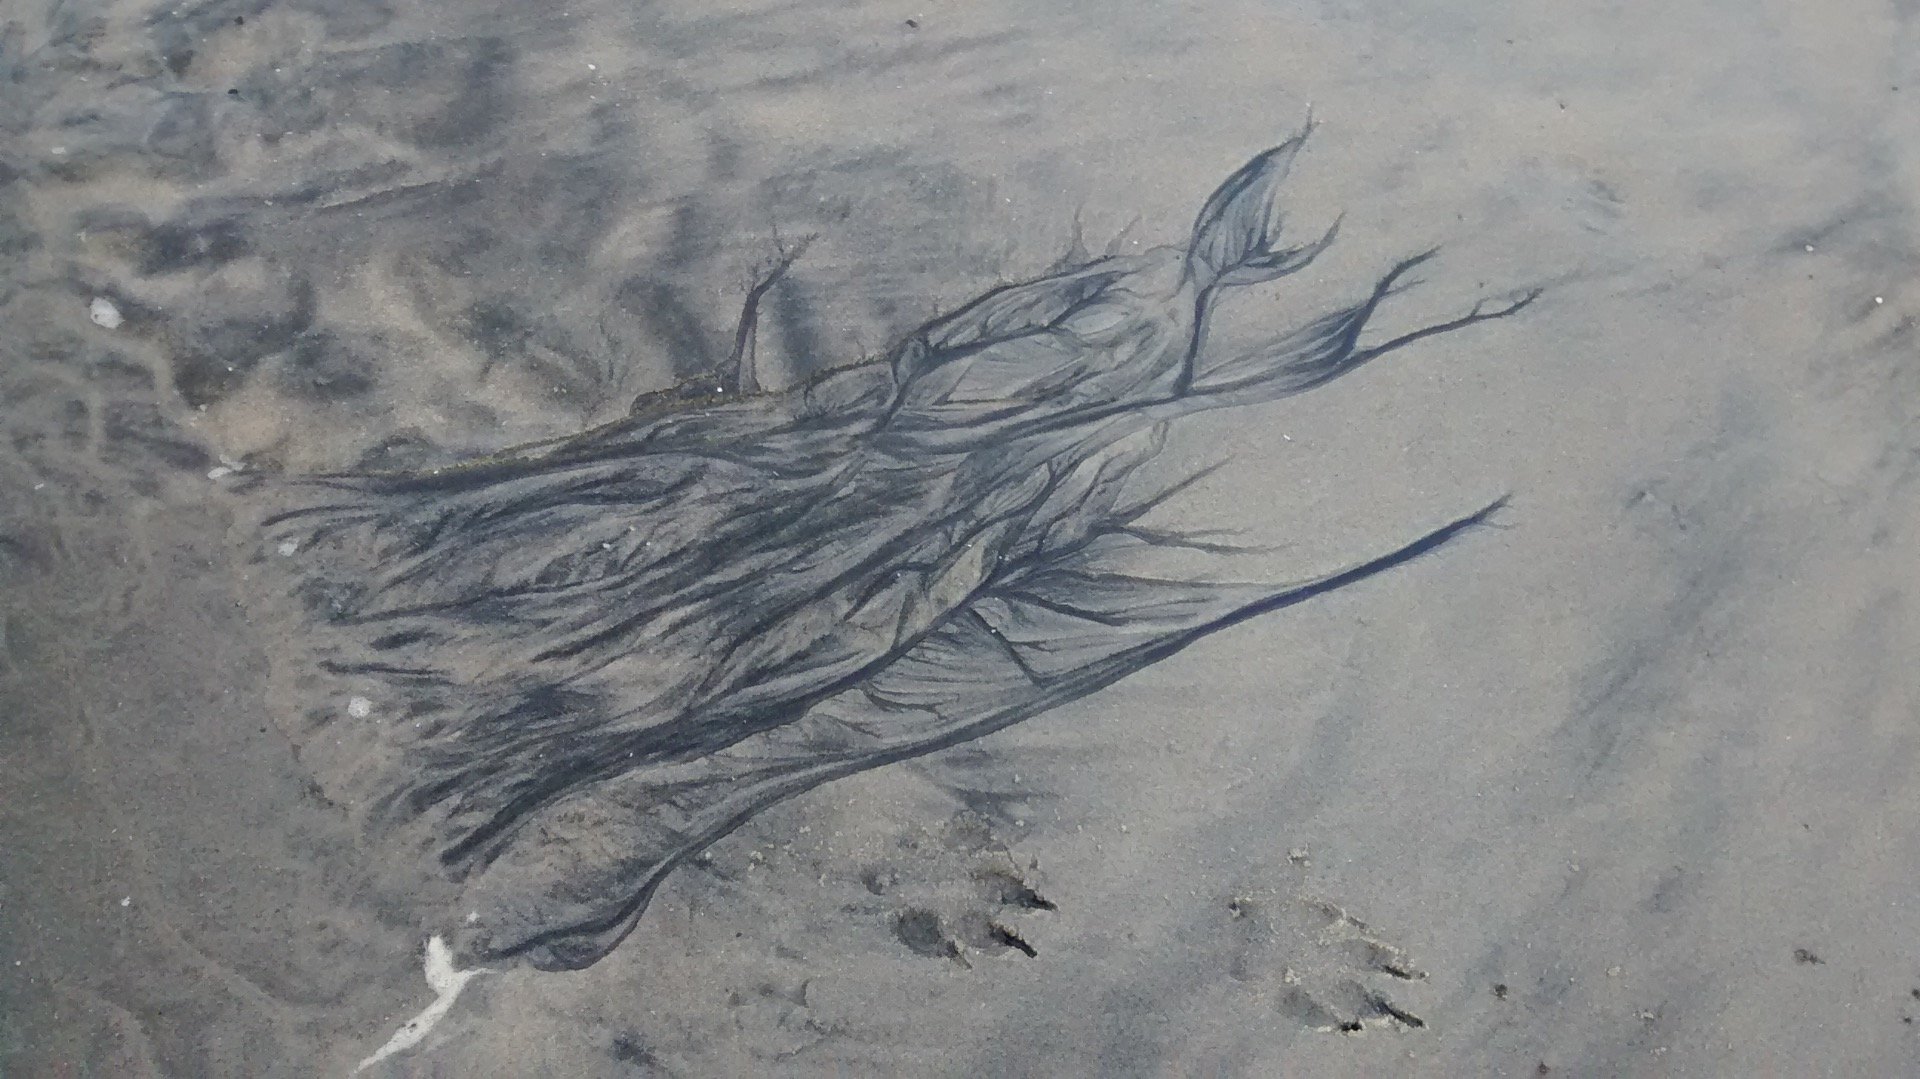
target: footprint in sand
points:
(1321, 965)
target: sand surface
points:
(1625, 786)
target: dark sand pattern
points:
(564, 671)
(1605, 774)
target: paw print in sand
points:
(1322, 966)
(962, 895)
(986, 925)
(985, 922)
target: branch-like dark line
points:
(559, 948)
(1479, 313)
(746, 379)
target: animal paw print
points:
(983, 921)
(1324, 967)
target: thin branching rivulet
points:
(581, 663)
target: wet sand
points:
(1621, 787)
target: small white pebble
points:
(1809, 247)
(104, 314)
(127, 902)
(287, 547)
(359, 707)
(219, 472)
(591, 67)
(1879, 299)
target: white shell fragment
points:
(104, 314)
(446, 984)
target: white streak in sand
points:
(446, 982)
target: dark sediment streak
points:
(585, 661)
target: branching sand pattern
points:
(576, 665)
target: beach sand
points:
(1624, 786)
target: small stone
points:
(359, 707)
(104, 314)
(287, 547)
(219, 472)
(127, 902)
